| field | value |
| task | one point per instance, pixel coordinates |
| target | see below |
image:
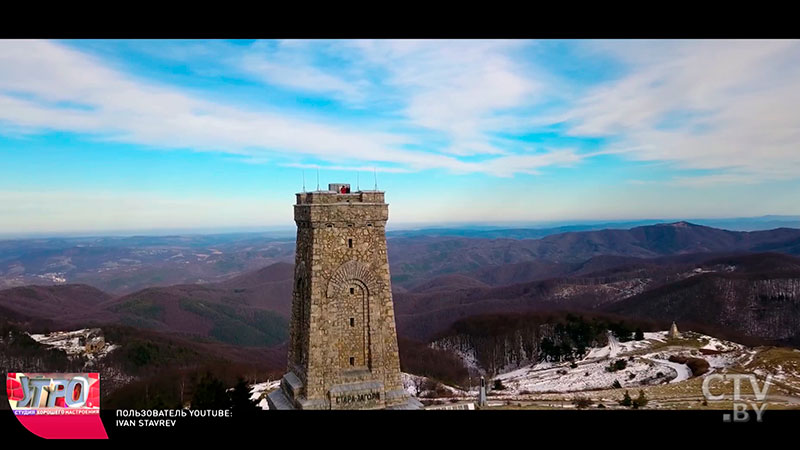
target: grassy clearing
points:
(777, 356)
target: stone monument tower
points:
(343, 344)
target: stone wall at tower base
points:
(411, 403)
(277, 400)
(359, 395)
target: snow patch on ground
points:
(615, 347)
(722, 360)
(587, 375)
(74, 343)
(751, 356)
(418, 386)
(646, 364)
(625, 347)
(660, 336)
(641, 369)
(258, 390)
(598, 353)
(720, 345)
(411, 383)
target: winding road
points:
(613, 345)
(684, 372)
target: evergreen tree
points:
(210, 394)
(240, 399)
(614, 366)
(581, 402)
(641, 400)
(548, 349)
(566, 351)
(621, 331)
(626, 400)
(639, 335)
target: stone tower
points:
(343, 344)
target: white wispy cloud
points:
(728, 107)
(454, 87)
(283, 65)
(50, 86)
(715, 179)
(733, 106)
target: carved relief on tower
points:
(351, 289)
(353, 270)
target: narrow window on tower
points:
(352, 321)
(350, 243)
(352, 361)
(352, 290)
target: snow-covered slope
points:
(646, 362)
(87, 343)
(259, 392)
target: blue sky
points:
(138, 135)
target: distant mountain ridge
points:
(123, 265)
(249, 310)
(437, 280)
(535, 232)
(411, 257)
(755, 295)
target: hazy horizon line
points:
(394, 227)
